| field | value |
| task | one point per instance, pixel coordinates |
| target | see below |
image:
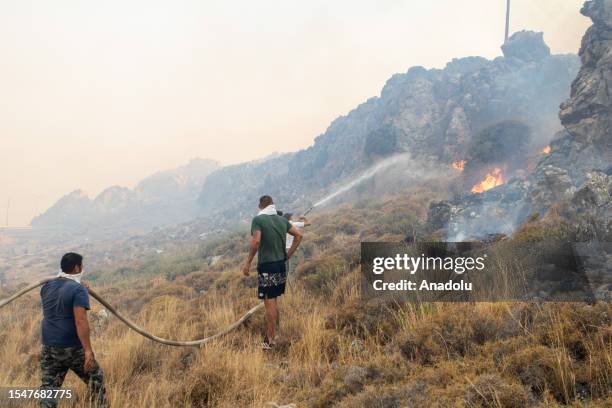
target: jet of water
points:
(364, 176)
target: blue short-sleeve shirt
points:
(58, 298)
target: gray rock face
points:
(599, 11)
(595, 260)
(586, 115)
(577, 170)
(585, 144)
(554, 184)
(591, 208)
(430, 113)
(526, 46)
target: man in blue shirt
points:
(65, 333)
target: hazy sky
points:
(98, 93)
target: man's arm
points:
(306, 221)
(255, 240)
(82, 326)
(297, 238)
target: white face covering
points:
(75, 277)
(269, 210)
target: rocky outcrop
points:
(576, 173)
(162, 199)
(526, 46)
(590, 208)
(114, 200)
(72, 209)
(585, 143)
(430, 113)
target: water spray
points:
(390, 161)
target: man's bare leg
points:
(277, 315)
(271, 318)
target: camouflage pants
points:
(55, 363)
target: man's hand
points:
(255, 240)
(246, 269)
(82, 326)
(89, 360)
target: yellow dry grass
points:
(334, 348)
(535, 355)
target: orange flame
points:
(459, 165)
(493, 179)
(546, 150)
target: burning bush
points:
(494, 153)
(491, 180)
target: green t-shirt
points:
(273, 231)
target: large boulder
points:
(599, 11)
(552, 184)
(526, 46)
(590, 208)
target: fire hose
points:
(135, 327)
(140, 330)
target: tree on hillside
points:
(502, 142)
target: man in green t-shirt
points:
(268, 232)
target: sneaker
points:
(267, 344)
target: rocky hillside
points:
(165, 198)
(432, 114)
(575, 177)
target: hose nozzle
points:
(307, 211)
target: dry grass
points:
(338, 350)
(334, 349)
